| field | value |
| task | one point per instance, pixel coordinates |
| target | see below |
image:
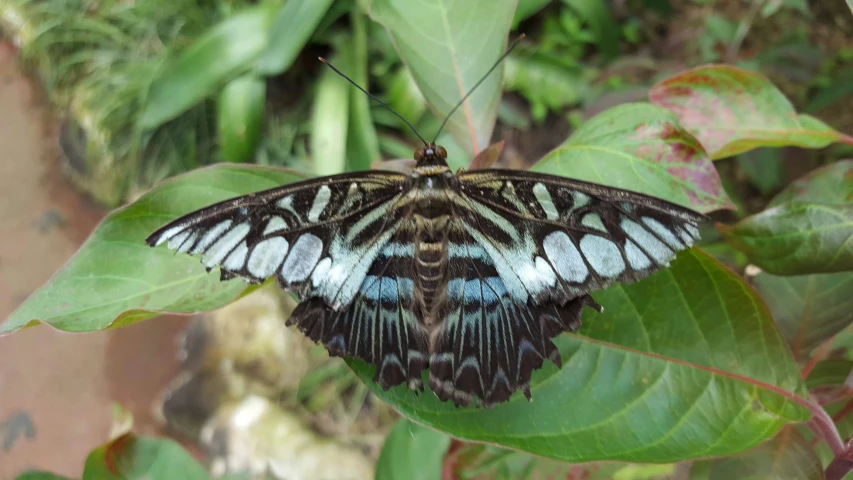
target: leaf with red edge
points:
(640, 147)
(448, 47)
(731, 110)
(808, 309)
(116, 279)
(830, 184)
(130, 457)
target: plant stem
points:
(819, 355)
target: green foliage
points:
(689, 363)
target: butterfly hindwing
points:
(488, 342)
(323, 229)
(554, 239)
(379, 325)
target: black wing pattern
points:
(318, 237)
(530, 248)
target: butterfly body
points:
(467, 274)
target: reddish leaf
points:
(731, 110)
(487, 157)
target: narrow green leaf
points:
(788, 456)
(405, 97)
(362, 141)
(130, 456)
(449, 46)
(412, 452)
(293, 26)
(731, 110)
(640, 147)
(116, 279)
(797, 238)
(684, 364)
(808, 309)
(227, 50)
(240, 117)
(330, 119)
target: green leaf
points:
(808, 309)
(115, 279)
(330, 119)
(526, 9)
(216, 57)
(788, 456)
(362, 141)
(830, 184)
(684, 364)
(131, 457)
(240, 117)
(485, 462)
(596, 13)
(640, 147)
(412, 452)
(293, 26)
(796, 238)
(731, 110)
(449, 46)
(405, 97)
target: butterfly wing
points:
(556, 239)
(380, 325)
(524, 252)
(317, 237)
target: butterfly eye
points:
(442, 152)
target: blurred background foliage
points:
(150, 89)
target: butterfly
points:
(469, 274)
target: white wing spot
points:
(636, 258)
(545, 201)
(565, 257)
(663, 232)
(303, 256)
(274, 225)
(658, 250)
(320, 271)
(267, 256)
(237, 259)
(169, 234)
(603, 255)
(324, 193)
(178, 240)
(211, 235)
(219, 250)
(592, 220)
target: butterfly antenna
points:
(380, 102)
(498, 62)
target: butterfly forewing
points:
(556, 239)
(325, 230)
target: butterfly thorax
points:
(431, 213)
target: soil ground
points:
(57, 389)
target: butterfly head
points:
(431, 154)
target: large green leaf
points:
(132, 457)
(449, 45)
(686, 363)
(116, 279)
(362, 140)
(640, 147)
(731, 110)
(224, 52)
(240, 117)
(330, 119)
(797, 238)
(412, 452)
(787, 457)
(808, 309)
(808, 229)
